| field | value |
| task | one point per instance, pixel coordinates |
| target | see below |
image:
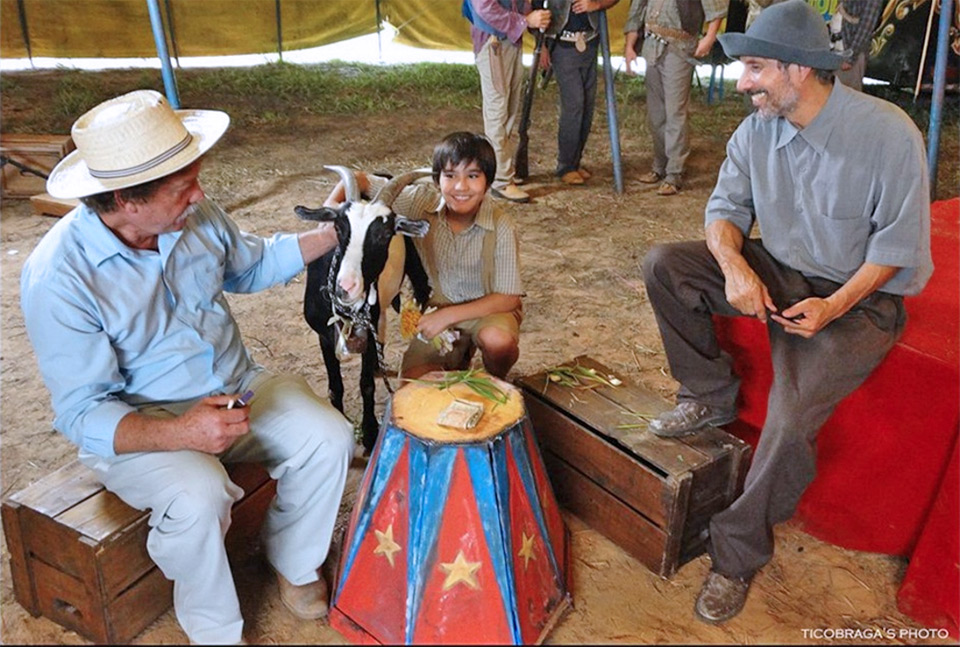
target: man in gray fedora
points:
(124, 303)
(836, 182)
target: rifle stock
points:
(521, 161)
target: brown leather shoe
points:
(650, 178)
(571, 177)
(584, 173)
(668, 188)
(307, 601)
(721, 597)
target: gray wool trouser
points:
(811, 376)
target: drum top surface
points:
(418, 405)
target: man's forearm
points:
(867, 280)
(139, 433)
(725, 242)
(317, 242)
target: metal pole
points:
(379, 30)
(160, 38)
(612, 122)
(923, 52)
(279, 31)
(173, 32)
(939, 85)
(22, 13)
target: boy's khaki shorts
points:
(420, 353)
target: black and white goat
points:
(342, 303)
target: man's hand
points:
(746, 292)
(210, 427)
(704, 45)
(583, 6)
(538, 19)
(630, 51)
(806, 318)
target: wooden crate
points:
(36, 152)
(652, 496)
(44, 204)
(78, 553)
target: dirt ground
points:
(580, 250)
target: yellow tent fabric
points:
(121, 28)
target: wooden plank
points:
(137, 607)
(19, 563)
(248, 476)
(604, 415)
(44, 204)
(610, 516)
(248, 514)
(36, 152)
(123, 558)
(58, 546)
(100, 516)
(60, 490)
(67, 601)
(626, 478)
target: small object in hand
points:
(461, 414)
(242, 401)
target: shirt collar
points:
(483, 219)
(99, 241)
(818, 132)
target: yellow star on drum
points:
(386, 546)
(526, 550)
(460, 570)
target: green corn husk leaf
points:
(643, 418)
(579, 377)
(482, 386)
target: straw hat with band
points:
(133, 139)
(791, 32)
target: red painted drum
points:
(455, 536)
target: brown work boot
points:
(306, 601)
(584, 173)
(571, 177)
(668, 188)
(721, 597)
(650, 178)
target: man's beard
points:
(777, 105)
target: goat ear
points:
(409, 227)
(323, 214)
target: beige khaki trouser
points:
(501, 77)
(302, 441)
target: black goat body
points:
(342, 303)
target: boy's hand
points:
(433, 323)
(538, 19)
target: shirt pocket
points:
(839, 244)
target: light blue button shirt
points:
(852, 187)
(115, 328)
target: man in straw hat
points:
(124, 303)
(836, 181)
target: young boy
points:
(470, 254)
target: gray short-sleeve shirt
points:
(852, 187)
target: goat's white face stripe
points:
(350, 276)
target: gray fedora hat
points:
(790, 31)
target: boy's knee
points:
(497, 341)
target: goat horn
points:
(350, 188)
(389, 193)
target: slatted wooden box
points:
(36, 152)
(78, 553)
(652, 496)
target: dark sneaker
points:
(687, 417)
(721, 597)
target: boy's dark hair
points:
(464, 146)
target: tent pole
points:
(279, 31)
(379, 29)
(173, 32)
(923, 52)
(939, 85)
(612, 123)
(22, 13)
(160, 39)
